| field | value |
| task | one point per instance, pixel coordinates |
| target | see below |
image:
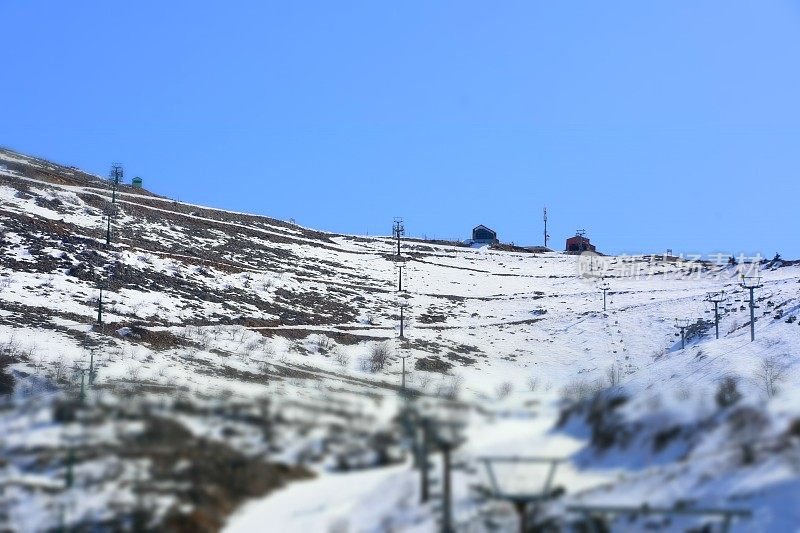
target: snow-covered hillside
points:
(278, 346)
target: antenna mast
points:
(546, 236)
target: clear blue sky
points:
(651, 124)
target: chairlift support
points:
(521, 500)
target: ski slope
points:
(213, 301)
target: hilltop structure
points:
(579, 243)
(483, 235)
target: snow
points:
(503, 320)
(352, 501)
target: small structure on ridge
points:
(483, 235)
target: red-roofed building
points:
(579, 244)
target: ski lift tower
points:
(510, 480)
(751, 283)
(716, 298)
(398, 230)
(605, 287)
(682, 324)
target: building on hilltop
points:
(483, 235)
(579, 243)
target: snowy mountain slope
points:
(211, 301)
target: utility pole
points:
(447, 508)
(100, 304)
(716, 298)
(91, 367)
(546, 236)
(682, 324)
(91, 364)
(402, 304)
(605, 287)
(423, 452)
(751, 283)
(403, 358)
(398, 230)
(82, 396)
(400, 267)
(448, 437)
(108, 225)
(115, 175)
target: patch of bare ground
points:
(214, 478)
(432, 316)
(460, 359)
(432, 363)
(158, 340)
(339, 337)
(245, 376)
(510, 248)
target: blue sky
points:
(652, 125)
